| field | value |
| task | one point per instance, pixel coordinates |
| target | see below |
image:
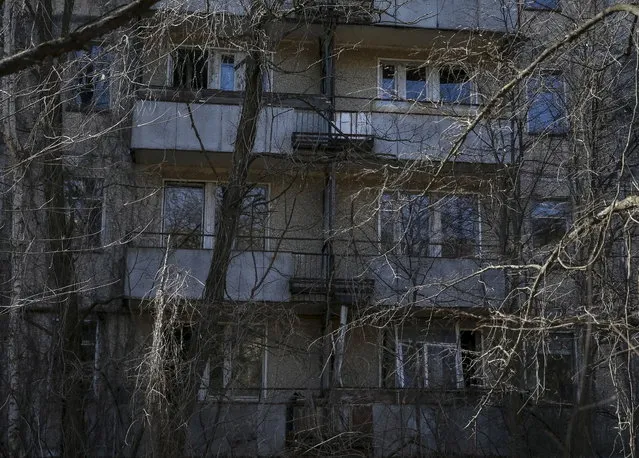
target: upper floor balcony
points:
(487, 15)
(180, 128)
(300, 270)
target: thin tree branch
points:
(75, 40)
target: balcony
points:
(171, 129)
(298, 271)
(487, 15)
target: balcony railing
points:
(313, 130)
(169, 128)
(298, 269)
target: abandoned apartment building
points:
(362, 287)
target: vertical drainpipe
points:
(327, 49)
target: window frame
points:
(432, 82)
(213, 67)
(101, 60)
(210, 209)
(436, 234)
(423, 343)
(567, 218)
(539, 357)
(226, 392)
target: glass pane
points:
(454, 86)
(546, 112)
(416, 83)
(459, 220)
(549, 222)
(543, 4)
(415, 226)
(410, 365)
(251, 229)
(388, 221)
(183, 215)
(227, 72)
(442, 366)
(389, 86)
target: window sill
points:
(424, 107)
(87, 109)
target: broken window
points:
(454, 86)
(470, 345)
(549, 220)
(416, 83)
(430, 361)
(389, 82)
(184, 214)
(236, 368)
(555, 367)
(190, 68)
(84, 204)
(91, 89)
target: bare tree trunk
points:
(236, 188)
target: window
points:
(542, 4)
(421, 225)
(431, 361)
(549, 220)
(405, 224)
(83, 202)
(184, 214)
(190, 68)
(454, 86)
(236, 370)
(471, 347)
(554, 367)
(250, 234)
(413, 81)
(459, 223)
(91, 88)
(190, 211)
(195, 68)
(88, 353)
(546, 110)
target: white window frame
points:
(435, 239)
(432, 81)
(423, 346)
(210, 206)
(213, 66)
(205, 391)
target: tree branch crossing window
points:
(424, 225)
(190, 211)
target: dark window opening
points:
(470, 343)
(190, 68)
(549, 222)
